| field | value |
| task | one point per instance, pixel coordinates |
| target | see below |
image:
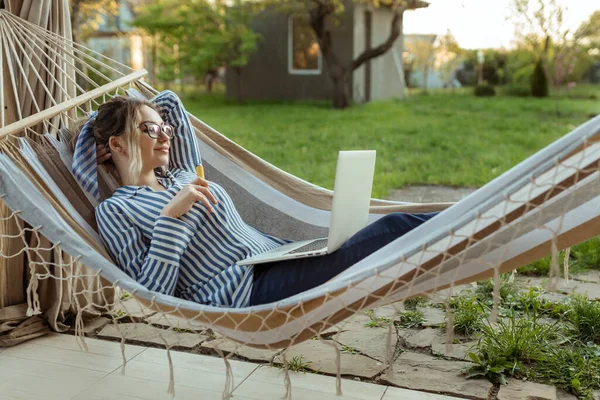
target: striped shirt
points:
(193, 257)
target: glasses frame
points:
(163, 128)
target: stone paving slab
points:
(423, 372)
(174, 321)
(130, 307)
(139, 333)
(246, 352)
(92, 326)
(322, 359)
(370, 341)
(458, 351)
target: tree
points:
(422, 49)
(322, 17)
(447, 57)
(87, 15)
(193, 38)
(539, 83)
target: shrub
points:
(539, 82)
(540, 267)
(485, 289)
(521, 341)
(485, 90)
(517, 90)
(584, 315)
(469, 315)
(411, 319)
(574, 369)
(414, 302)
(586, 255)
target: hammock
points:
(546, 203)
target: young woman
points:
(178, 234)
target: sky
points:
(482, 23)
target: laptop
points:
(349, 210)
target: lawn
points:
(450, 139)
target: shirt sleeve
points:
(185, 152)
(154, 265)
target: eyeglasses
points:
(153, 130)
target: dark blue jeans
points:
(280, 279)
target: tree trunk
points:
(493, 393)
(341, 91)
(238, 72)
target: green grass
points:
(451, 139)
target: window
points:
(304, 54)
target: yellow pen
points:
(200, 171)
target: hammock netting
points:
(53, 264)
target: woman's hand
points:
(197, 190)
(102, 155)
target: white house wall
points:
(387, 79)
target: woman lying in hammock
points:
(179, 234)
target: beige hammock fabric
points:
(548, 202)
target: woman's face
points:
(155, 152)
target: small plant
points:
(414, 302)
(182, 330)
(469, 315)
(378, 322)
(485, 289)
(573, 369)
(492, 368)
(586, 255)
(521, 341)
(349, 350)
(125, 295)
(540, 267)
(118, 314)
(584, 315)
(411, 319)
(297, 364)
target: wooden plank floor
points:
(54, 368)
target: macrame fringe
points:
(286, 380)
(123, 355)
(338, 365)
(171, 389)
(389, 353)
(229, 383)
(33, 299)
(566, 264)
(79, 334)
(554, 266)
(496, 296)
(449, 327)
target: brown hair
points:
(120, 116)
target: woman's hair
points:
(120, 116)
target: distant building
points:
(116, 38)
(288, 64)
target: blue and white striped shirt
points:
(192, 257)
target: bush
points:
(485, 90)
(517, 90)
(539, 82)
(469, 315)
(584, 315)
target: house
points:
(288, 64)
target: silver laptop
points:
(349, 210)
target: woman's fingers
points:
(201, 197)
(104, 157)
(200, 181)
(205, 191)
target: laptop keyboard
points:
(315, 245)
